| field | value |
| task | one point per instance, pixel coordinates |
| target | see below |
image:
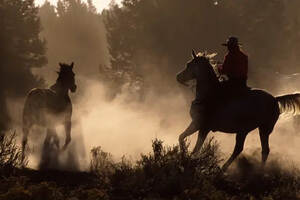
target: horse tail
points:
(289, 103)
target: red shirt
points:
(235, 65)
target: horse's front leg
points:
(202, 134)
(68, 125)
(192, 128)
(26, 130)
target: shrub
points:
(167, 172)
(10, 153)
(102, 163)
(164, 173)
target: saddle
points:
(227, 93)
(233, 88)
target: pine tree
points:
(21, 50)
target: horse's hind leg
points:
(264, 139)
(239, 145)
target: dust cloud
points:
(125, 126)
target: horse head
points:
(66, 76)
(199, 63)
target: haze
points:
(99, 4)
(126, 60)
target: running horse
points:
(50, 107)
(240, 115)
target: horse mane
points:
(209, 58)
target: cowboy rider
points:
(235, 65)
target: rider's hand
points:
(223, 77)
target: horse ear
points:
(72, 65)
(61, 66)
(194, 54)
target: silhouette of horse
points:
(50, 107)
(241, 114)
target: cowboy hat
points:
(232, 41)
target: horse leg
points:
(49, 135)
(26, 129)
(264, 139)
(55, 138)
(47, 149)
(68, 126)
(200, 140)
(192, 128)
(239, 145)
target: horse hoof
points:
(194, 155)
(181, 143)
(64, 148)
(224, 168)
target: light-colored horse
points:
(50, 107)
(239, 115)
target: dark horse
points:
(50, 107)
(241, 114)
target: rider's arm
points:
(223, 69)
